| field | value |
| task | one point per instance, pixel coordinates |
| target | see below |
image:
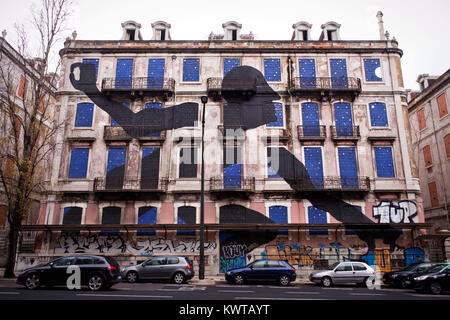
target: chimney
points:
(381, 25)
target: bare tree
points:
(27, 90)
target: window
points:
(421, 119)
(156, 261)
(130, 34)
(115, 168)
(114, 122)
(427, 156)
(172, 260)
(229, 64)
(384, 162)
(232, 167)
(124, 73)
(78, 163)
(372, 70)
(442, 105)
(273, 264)
(279, 114)
(186, 215)
(279, 214)
(111, 215)
(83, 117)
(305, 34)
(348, 167)
(338, 69)
(155, 73)
(161, 34)
(191, 70)
(188, 163)
(272, 70)
(147, 215)
(433, 194)
(314, 165)
(95, 63)
(155, 124)
(259, 264)
(84, 260)
(23, 86)
(331, 34)
(72, 215)
(378, 114)
(317, 216)
(150, 168)
(310, 119)
(345, 267)
(447, 145)
(272, 164)
(359, 267)
(343, 119)
(307, 72)
(67, 261)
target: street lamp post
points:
(201, 272)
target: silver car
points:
(175, 268)
(343, 272)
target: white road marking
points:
(236, 291)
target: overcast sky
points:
(419, 26)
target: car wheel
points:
(32, 281)
(327, 282)
(238, 279)
(179, 278)
(435, 287)
(403, 284)
(284, 280)
(96, 282)
(132, 277)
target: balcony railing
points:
(325, 86)
(232, 183)
(342, 183)
(345, 132)
(127, 132)
(143, 85)
(312, 132)
(126, 184)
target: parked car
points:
(400, 278)
(97, 272)
(436, 279)
(176, 268)
(343, 272)
(263, 270)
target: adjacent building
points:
(339, 108)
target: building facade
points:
(430, 126)
(327, 157)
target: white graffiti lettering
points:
(388, 212)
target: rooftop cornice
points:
(418, 100)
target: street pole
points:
(201, 272)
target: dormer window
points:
(302, 31)
(161, 31)
(130, 34)
(330, 31)
(131, 31)
(231, 30)
(331, 34)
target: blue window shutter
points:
(272, 70)
(338, 73)
(370, 68)
(314, 166)
(124, 73)
(155, 73)
(95, 63)
(307, 72)
(347, 167)
(191, 70)
(147, 215)
(114, 122)
(72, 215)
(378, 114)
(271, 173)
(229, 64)
(317, 216)
(116, 158)
(154, 105)
(310, 119)
(78, 163)
(83, 117)
(232, 168)
(343, 119)
(150, 168)
(279, 113)
(186, 215)
(384, 162)
(279, 215)
(111, 215)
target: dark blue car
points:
(263, 270)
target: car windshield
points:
(437, 268)
(411, 267)
(334, 265)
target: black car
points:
(400, 279)
(435, 279)
(96, 272)
(263, 270)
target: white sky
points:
(420, 26)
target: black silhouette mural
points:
(249, 104)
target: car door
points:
(343, 273)
(153, 268)
(256, 271)
(87, 266)
(171, 265)
(360, 272)
(272, 270)
(58, 272)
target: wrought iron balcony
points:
(328, 183)
(232, 130)
(232, 184)
(325, 86)
(311, 132)
(242, 88)
(122, 133)
(140, 86)
(345, 133)
(127, 184)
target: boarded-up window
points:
(427, 156)
(22, 92)
(2, 216)
(421, 119)
(433, 194)
(447, 145)
(442, 105)
(10, 168)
